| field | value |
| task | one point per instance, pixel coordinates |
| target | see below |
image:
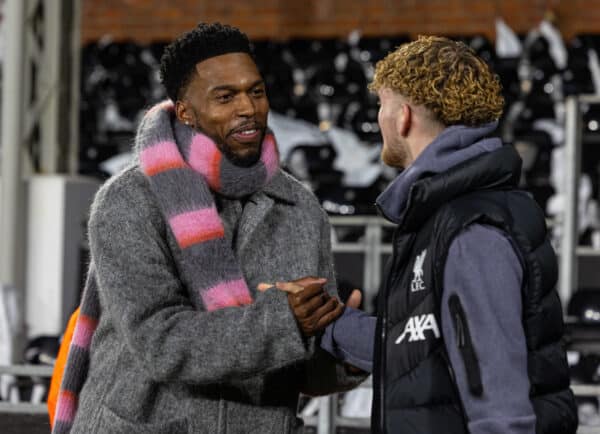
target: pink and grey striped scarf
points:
(183, 167)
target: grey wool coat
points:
(160, 364)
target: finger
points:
(307, 280)
(289, 287)
(325, 308)
(354, 299)
(306, 309)
(310, 291)
(262, 287)
(308, 328)
(301, 294)
(330, 317)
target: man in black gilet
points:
(467, 338)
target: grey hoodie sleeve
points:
(351, 339)
(484, 272)
(326, 374)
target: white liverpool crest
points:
(417, 283)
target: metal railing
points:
(328, 419)
(370, 245)
(34, 371)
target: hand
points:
(312, 306)
(314, 309)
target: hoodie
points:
(483, 268)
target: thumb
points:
(262, 287)
(354, 299)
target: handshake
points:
(312, 306)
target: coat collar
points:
(280, 189)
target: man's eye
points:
(224, 98)
(259, 91)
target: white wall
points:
(58, 210)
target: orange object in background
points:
(59, 366)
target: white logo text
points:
(416, 327)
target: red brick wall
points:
(158, 20)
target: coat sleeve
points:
(324, 373)
(141, 293)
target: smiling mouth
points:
(245, 128)
(247, 134)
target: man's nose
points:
(245, 106)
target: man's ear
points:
(184, 113)
(405, 120)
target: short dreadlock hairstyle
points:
(179, 59)
(446, 77)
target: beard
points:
(245, 159)
(396, 157)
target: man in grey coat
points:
(177, 338)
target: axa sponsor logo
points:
(417, 326)
(417, 283)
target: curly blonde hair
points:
(444, 76)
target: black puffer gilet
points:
(413, 381)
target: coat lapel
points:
(255, 212)
(259, 207)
